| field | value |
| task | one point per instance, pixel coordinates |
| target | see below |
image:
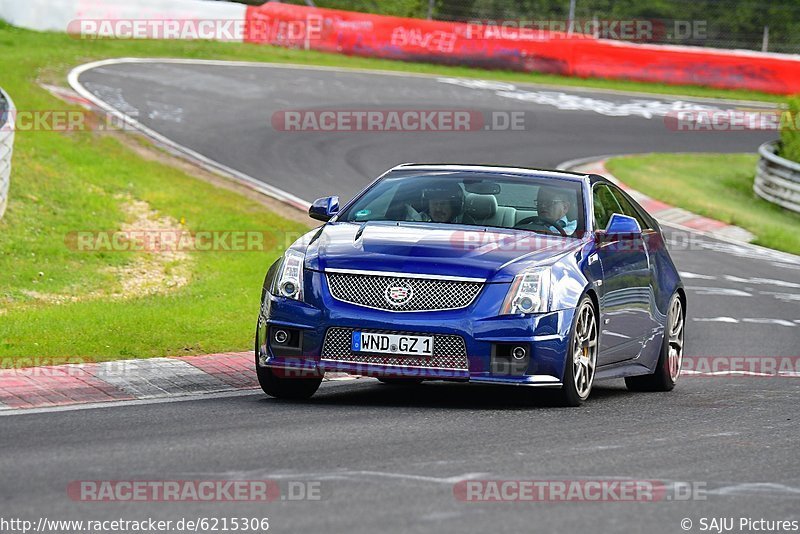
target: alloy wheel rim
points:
(584, 351)
(675, 339)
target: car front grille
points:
(424, 294)
(449, 351)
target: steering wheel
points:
(537, 220)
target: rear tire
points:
(581, 356)
(668, 368)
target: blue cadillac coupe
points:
(481, 274)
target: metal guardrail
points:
(7, 114)
(777, 178)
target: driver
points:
(444, 203)
(553, 205)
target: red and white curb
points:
(129, 380)
(661, 211)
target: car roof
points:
(500, 169)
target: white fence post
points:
(7, 119)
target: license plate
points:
(392, 344)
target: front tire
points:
(581, 361)
(394, 381)
(668, 368)
(286, 387)
(281, 387)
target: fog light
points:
(519, 353)
(281, 336)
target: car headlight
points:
(530, 293)
(289, 280)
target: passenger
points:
(444, 203)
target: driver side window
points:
(604, 206)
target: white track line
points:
(405, 74)
(174, 147)
(134, 402)
(255, 392)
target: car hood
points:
(493, 254)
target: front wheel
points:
(286, 387)
(581, 356)
(669, 364)
(275, 385)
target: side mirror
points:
(324, 208)
(623, 224)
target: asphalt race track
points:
(387, 458)
(226, 113)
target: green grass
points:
(64, 182)
(719, 186)
(790, 135)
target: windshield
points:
(544, 205)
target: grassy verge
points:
(61, 304)
(58, 304)
(790, 137)
(719, 186)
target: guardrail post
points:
(7, 120)
(777, 179)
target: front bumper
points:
(546, 337)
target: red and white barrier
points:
(538, 51)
